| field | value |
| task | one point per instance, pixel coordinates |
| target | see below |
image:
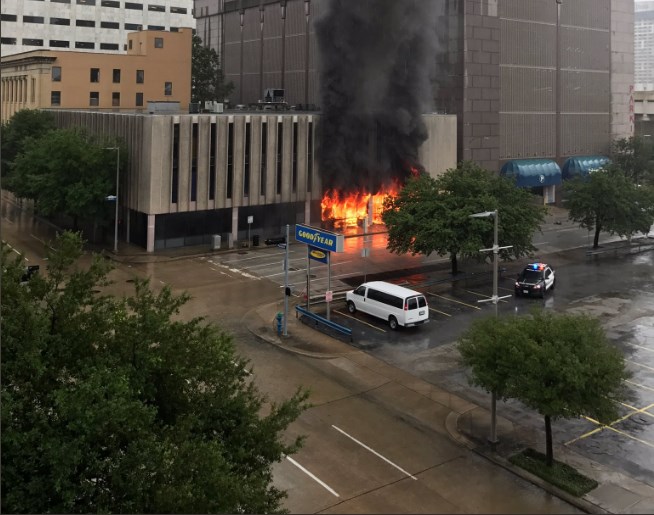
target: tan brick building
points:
(157, 67)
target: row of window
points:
(82, 45)
(95, 75)
(83, 23)
(94, 97)
(128, 5)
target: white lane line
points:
(316, 479)
(375, 453)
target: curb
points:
(452, 426)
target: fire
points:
(347, 209)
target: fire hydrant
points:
(279, 317)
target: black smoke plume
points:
(375, 63)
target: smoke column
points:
(375, 59)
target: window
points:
(157, 8)
(294, 175)
(178, 10)
(109, 3)
(133, 6)
(61, 1)
(115, 99)
(158, 42)
(57, 43)
(8, 17)
(109, 24)
(94, 99)
(133, 26)
(139, 100)
(412, 303)
(108, 46)
(280, 146)
(168, 89)
(85, 2)
(230, 160)
(246, 171)
(86, 45)
(56, 74)
(32, 42)
(140, 76)
(116, 76)
(157, 27)
(264, 157)
(130, 44)
(310, 158)
(55, 98)
(361, 290)
(212, 163)
(174, 193)
(59, 21)
(174, 29)
(85, 23)
(95, 74)
(8, 41)
(194, 163)
(32, 19)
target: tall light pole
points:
(117, 149)
(494, 299)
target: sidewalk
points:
(466, 423)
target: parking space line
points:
(641, 410)
(312, 476)
(649, 444)
(639, 364)
(640, 385)
(453, 300)
(375, 453)
(441, 312)
(634, 411)
(483, 295)
(585, 435)
(642, 347)
(354, 318)
(505, 289)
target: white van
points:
(395, 304)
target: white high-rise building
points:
(88, 25)
(644, 45)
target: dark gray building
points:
(527, 79)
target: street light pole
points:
(117, 149)
(494, 299)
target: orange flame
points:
(348, 209)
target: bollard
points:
(279, 317)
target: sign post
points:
(286, 292)
(250, 220)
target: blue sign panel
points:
(324, 240)
(318, 255)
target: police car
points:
(535, 279)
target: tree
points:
(67, 172)
(433, 215)
(17, 133)
(635, 157)
(116, 405)
(207, 78)
(560, 365)
(608, 200)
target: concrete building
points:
(157, 67)
(86, 25)
(527, 79)
(191, 177)
(644, 44)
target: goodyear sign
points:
(317, 254)
(323, 240)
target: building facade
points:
(86, 25)
(644, 45)
(527, 79)
(191, 177)
(157, 67)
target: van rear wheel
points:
(351, 307)
(392, 322)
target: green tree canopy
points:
(116, 405)
(24, 126)
(67, 172)
(635, 157)
(558, 364)
(207, 78)
(609, 200)
(433, 215)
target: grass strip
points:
(559, 474)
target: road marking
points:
(441, 312)
(641, 347)
(506, 289)
(649, 444)
(482, 295)
(354, 318)
(584, 435)
(453, 300)
(640, 385)
(639, 364)
(316, 479)
(641, 410)
(634, 411)
(375, 453)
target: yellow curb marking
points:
(453, 300)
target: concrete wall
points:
(438, 153)
(622, 68)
